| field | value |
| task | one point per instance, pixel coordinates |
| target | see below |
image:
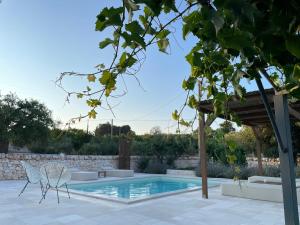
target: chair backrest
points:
(32, 173)
(55, 174)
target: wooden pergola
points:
(251, 112)
(254, 111)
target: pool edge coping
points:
(132, 201)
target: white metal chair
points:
(32, 174)
(54, 175)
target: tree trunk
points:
(259, 160)
(4, 146)
(258, 148)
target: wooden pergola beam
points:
(293, 112)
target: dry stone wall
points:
(11, 168)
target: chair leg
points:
(57, 195)
(42, 188)
(24, 188)
(67, 190)
(44, 194)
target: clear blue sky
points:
(41, 39)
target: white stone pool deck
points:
(183, 209)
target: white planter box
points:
(259, 191)
(84, 175)
(181, 172)
(119, 173)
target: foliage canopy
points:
(23, 122)
(235, 39)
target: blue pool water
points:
(138, 187)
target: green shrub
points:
(90, 148)
(142, 164)
(216, 169)
(217, 151)
(65, 145)
(156, 167)
(271, 152)
(219, 170)
(248, 172)
(272, 171)
(165, 148)
(101, 146)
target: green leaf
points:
(91, 78)
(184, 123)
(219, 59)
(109, 17)
(192, 102)
(163, 44)
(296, 72)
(218, 21)
(109, 81)
(126, 60)
(133, 38)
(295, 92)
(150, 30)
(175, 115)
(292, 44)
(169, 5)
(93, 102)
(194, 58)
(130, 5)
(79, 95)
(189, 84)
(235, 39)
(100, 66)
(130, 60)
(191, 23)
(163, 34)
(92, 114)
(134, 28)
(154, 5)
(231, 145)
(148, 12)
(105, 42)
(185, 31)
(106, 76)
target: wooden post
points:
(124, 153)
(258, 148)
(202, 147)
(202, 151)
(286, 161)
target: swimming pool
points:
(137, 189)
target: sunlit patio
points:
(187, 208)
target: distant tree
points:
(77, 137)
(244, 139)
(271, 148)
(105, 129)
(7, 110)
(296, 138)
(155, 130)
(227, 127)
(23, 122)
(125, 129)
